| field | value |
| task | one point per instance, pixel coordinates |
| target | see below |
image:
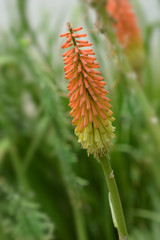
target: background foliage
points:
(49, 187)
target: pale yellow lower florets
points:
(96, 140)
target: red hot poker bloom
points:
(90, 107)
(127, 30)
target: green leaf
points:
(21, 218)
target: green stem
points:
(150, 116)
(117, 213)
(21, 178)
(79, 222)
(41, 129)
(2, 235)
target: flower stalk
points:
(115, 202)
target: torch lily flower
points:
(90, 107)
(127, 30)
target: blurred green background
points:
(49, 187)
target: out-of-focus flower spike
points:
(127, 30)
(90, 108)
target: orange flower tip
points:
(64, 34)
(91, 58)
(103, 83)
(77, 29)
(88, 69)
(76, 49)
(68, 40)
(73, 121)
(84, 74)
(79, 35)
(63, 45)
(96, 72)
(82, 41)
(84, 53)
(66, 45)
(84, 45)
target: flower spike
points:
(127, 30)
(90, 107)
